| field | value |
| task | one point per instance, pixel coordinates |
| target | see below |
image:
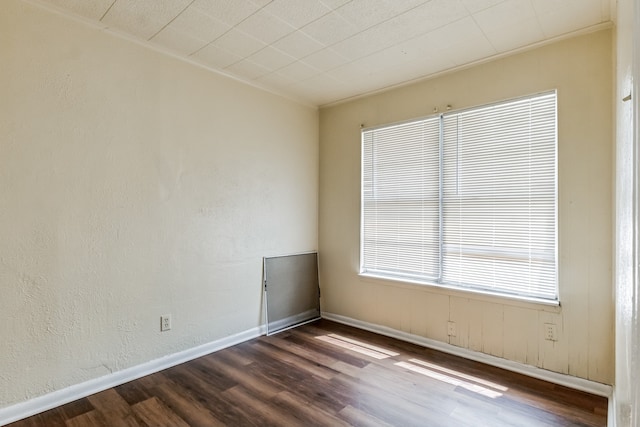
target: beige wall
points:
(581, 70)
(133, 185)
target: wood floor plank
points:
(272, 351)
(149, 382)
(88, 419)
(306, 411)
(154, 413)
(132, 392)
(324, 394)
(225, 411)
(192, 378)
(429, 394)
(242, 375)
(392, 408)
(75, 408)
(190, 408)
(356, 417)
(262, 411)
(51, 418)
(328, 374)
(115, 410)
(215, 379)
(279, 370)
(299, 350)
(238, 356)
(511, 409)
(314, 345)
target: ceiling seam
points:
(300, 29)
(535, 11)
(324, 72)
(405, 40)
(473, 17)
(380, 50)
(231, 28)
(172, 19)
(277, 40)
(107, 11)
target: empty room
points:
(450, 186)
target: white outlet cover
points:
(451, 329)
(165, 322)
(550, 332)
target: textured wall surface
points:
(133, 185)
(581, 70)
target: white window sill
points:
(534, 303)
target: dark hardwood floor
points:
(327, 374)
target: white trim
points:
(611, 409)
(575, 383)
(54, 399)
(293, 321)
(467, 291)
(634, 332)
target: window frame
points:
(438, 281)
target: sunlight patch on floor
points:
(460, 375)
(358, 346)
(449, 379)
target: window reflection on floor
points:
(450, 379)
(431, 370)
(460, 375)
(358, 346)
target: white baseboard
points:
(54, 399)
(576, 383)
(292, 321)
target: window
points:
(465, 199)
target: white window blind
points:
(465, 199)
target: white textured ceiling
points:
(323, 51)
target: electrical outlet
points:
(165, 322)
(550, 332)
(451, 329)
